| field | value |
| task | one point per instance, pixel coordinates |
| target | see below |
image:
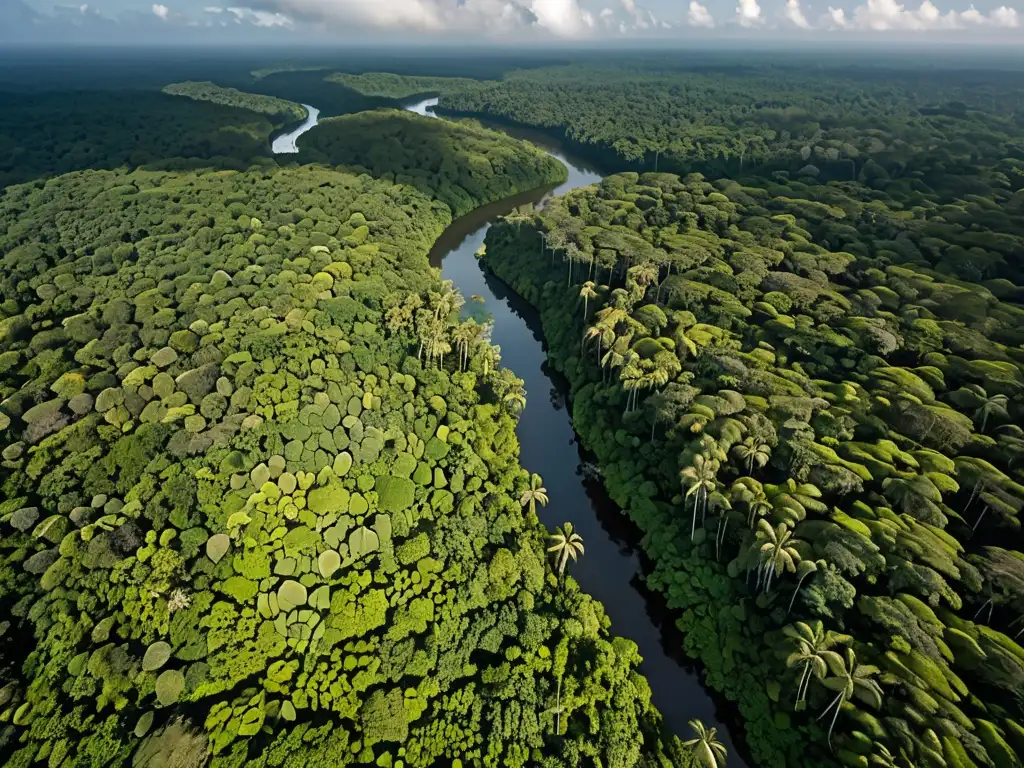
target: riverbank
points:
(612, 570)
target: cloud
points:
(212, 9)
(889, 15)
(795, 15)
(748, 13)
(265, 19)
(699, 16)
(835, 18)
(1004, 17)
(160, 11)
(561, 18)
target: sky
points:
(509, 21)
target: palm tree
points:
(534, 495)
(750, 492)
(464, 335)
(777, 553)
(515, 399)
(753, 451)
(850, 680)
(701, 479)
(724, 508)
(812, 642)
(587, 293)
(572, 255)
(567, 543)
(710, 752)
(603, 336)
(558, 709)
(803, 569)
(993, 406)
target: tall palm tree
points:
(535, 494)
(993, 406)
(751, 493)
(464, 335)
(567, 544)
(803, 569)
(699, 480)
(777, 552)
(587, 292)
(724, 508)
(603, 336)
(752, 451)
(558, 709)
(709, 751)
(572, 255)
(812, 643)
(850, 680)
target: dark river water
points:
(611, 570)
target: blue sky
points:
(508, 21)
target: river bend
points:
(287, 143)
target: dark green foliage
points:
(787, 351)
(461, 165)
(230, 97)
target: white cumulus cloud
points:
(562, 18)
(160, 11)
(889, 15)
(748, 13)
(1004, 17)
(265, 19)
(835, 18)
(699, 16)
(794, 14)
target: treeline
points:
(816, 423)
(392, 86)
(460, 164)
(56, 132)
(262, 503)
(286, 111)
(927, 129)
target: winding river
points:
(287, 143)
(612, 569)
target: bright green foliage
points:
(394, 493)
(156, 656)
(232, 496)
(809, 377)
(169, 686)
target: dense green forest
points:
(865, 124)
(829, 408)
(262, 503)
(460, 164)
(50, 133)
(394, 86)
(287, 111)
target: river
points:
(611, 569)
(287, 143)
